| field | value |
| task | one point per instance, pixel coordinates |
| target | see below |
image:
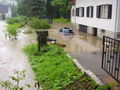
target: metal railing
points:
(111, 57)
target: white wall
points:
(107, 24)
(118, 17)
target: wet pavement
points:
(12, 57)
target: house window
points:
(104, 11)
(90, 11)
(81, 11)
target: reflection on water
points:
(80, 42)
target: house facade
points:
(5, 10)
(96, 17)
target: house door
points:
(83, 28)
(94, 31)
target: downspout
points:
(116, 19)
(75, 16)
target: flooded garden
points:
(13, 59)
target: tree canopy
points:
(31, 8)
(64, 7)
(44, 8)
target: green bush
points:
(39, 23)
(19, 19)
(12, 31)
(29, 31)
(54, 69)
(62, 20)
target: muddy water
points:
(12, 57)
(80, 42)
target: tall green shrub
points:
(12, 31)
(20, 19)
(39, 23)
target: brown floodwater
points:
(12, 57)
(80, 42)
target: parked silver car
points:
(66, 31)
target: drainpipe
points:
(116, 19)
(75, 17)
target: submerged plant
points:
(9, 85)
(12, 31)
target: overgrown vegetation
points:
(12, 31)
(37, 23)
(54, 70)
(20, 19)
(62, 20)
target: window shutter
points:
(83, 12)
(98, 11)
(87, 11)
(91, 11)
(110, 12)
(77, 11)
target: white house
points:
(6, 10)
(97, 17)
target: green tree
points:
(38, 8)
(24, 7)
(31, 8)
(64, 7)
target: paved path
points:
(12, 58)
(92, 61)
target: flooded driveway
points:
(80, 42)
(12, 58)
(86, 48)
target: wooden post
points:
(42, 38)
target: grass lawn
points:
(55, 70)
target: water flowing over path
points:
(12, 57)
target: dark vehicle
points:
(66, 31)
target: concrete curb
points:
(88, 72)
